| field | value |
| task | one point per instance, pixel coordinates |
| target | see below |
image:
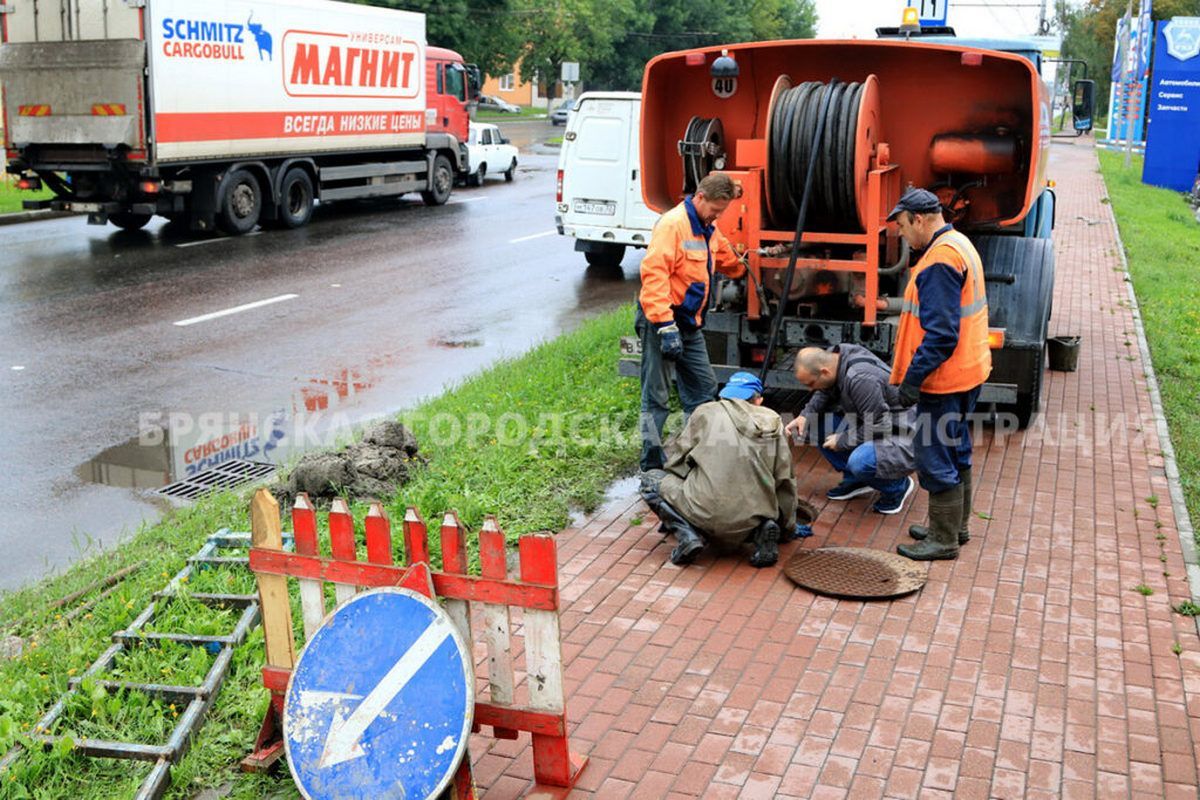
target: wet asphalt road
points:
(393, 302)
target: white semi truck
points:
(227, 113)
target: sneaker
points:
(894, 503)
(847, 489)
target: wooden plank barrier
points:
(534, 589)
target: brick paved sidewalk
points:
(1029, 667)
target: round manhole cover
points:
(856, 572)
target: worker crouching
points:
(857, 423)
(728, 478)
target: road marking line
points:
(464, 200)
(235, 310)
(532, 236)
(217, 239)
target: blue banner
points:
(1131, 69)
(1173, 144)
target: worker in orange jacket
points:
(677, 272)
(941, 361)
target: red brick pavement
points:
(1030, 667)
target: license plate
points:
(631, 346)
(605, 208)
(88, 207)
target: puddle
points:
(457, 343)
(177, 445)
(619, 489)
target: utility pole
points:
(1131, 107)
(1043, 23)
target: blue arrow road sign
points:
(381, 701)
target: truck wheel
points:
(1028, 404)
(241, 203)
(512, 170)
(480, 174)
(607, 255)
(129, 221)
(440, 184)
(296, 201)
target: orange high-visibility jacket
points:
(677, 269)
(971, 362)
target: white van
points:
(599, 178)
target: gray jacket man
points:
(856, 420)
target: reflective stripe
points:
(966, 311)
(695, 244)
(974, 308)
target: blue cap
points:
(918, 201)
(742, 386)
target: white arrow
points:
(344, 741)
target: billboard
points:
(1173, 142)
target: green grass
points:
(11, 196)
(527, 112)
(530, 481)
(1162, 243)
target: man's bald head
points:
(816, 368)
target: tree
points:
(482, 31)
(660, 26)
(1089, 31)
(584, 31)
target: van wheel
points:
(511, 171)
(480, 174)
(241, 203)
(440, 183)
(606, 255)
(127, 220)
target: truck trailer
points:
(969, 120)
(227, 113)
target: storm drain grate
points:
(231, 473)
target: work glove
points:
(909, 395)
(799, 531)
(670, 341)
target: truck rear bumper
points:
(583, 234)
(630, 367)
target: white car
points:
(559, 115)
(488, 150)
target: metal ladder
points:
(198, 699)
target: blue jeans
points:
(858, 464)
(942, 443)
(694, 379)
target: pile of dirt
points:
(370, 469)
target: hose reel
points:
(843, 160)
(702, 149)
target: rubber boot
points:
(945, 514)
(919, 532)
(766, 544)
(689, 541)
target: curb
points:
(33, 216)
(1183, 521)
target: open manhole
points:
(856, 572)
(231, 473)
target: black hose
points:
(820, 116)
(794, 153)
